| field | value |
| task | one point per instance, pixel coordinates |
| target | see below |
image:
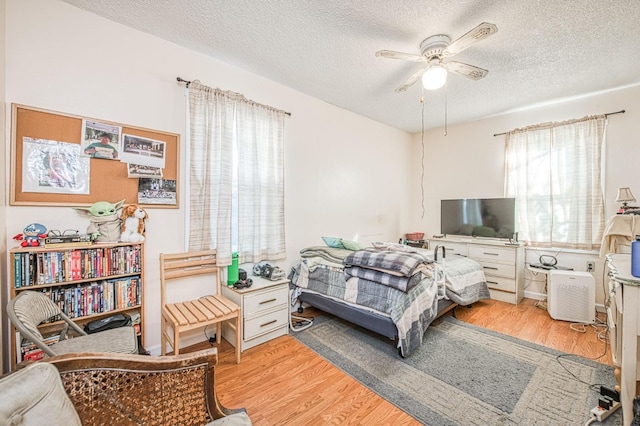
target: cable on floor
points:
(302, 323)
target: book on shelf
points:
(30, 352)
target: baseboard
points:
(155, 350)
(541, 296)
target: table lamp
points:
(625, 196)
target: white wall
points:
(469, 163)
(345, 175)
(3, 179)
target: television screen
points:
(478, 217)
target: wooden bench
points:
(188, 315)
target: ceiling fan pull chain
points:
(422, 162)
(445, 109)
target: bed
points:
(391, 289)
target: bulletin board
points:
(108, 179)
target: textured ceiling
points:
(544, 50)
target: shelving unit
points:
(86, 282)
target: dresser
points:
(624, 322)
(502, 263)
(265, 311)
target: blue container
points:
(635, 257)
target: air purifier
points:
(571, 296)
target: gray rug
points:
(466, 375)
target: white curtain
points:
(555, 172)
(260, 183)
(236, 182)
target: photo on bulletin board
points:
(145, 151)
(100, 140)
(53, 167)
(142, 171)
(157, 191)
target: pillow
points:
(352, 245)
(333, 242)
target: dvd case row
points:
(97, 297)
(52, 267)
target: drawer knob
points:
(492, 282)
(267, 301)
(490, 267)
(492, 254)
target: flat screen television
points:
(478, 217)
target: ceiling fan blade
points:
(411, 80)
(399, 55)
(466, 70)
(480, 32)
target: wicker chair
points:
(30, 308)
(118, 389)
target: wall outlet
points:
(591, 265)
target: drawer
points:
(262, 301)
(497, 269)
(265, 323)
(494, 254)
(503, 296)
(501, 283)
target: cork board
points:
(108, 179)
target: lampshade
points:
(625, 196)
(434, 78)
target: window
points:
(555, 172)
(236, 179)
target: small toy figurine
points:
(105, 223)
(31, 235)
(133, 218)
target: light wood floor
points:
(282, 382)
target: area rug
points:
(466, 375)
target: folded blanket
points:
(464, 279)
(401, 263)
(329, 253)
(401, 283)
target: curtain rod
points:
(606, 115)
(187, 83)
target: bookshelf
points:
(86, 282)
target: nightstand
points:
(265, 311)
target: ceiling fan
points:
(434, 49)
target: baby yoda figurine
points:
(105, 221)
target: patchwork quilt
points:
(409, 297)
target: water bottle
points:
(635, 257)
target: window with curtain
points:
(555, 172)
(236, 179)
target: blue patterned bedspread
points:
(412, 311)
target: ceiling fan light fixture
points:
(434, 78)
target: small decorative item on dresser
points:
(625, 197)
(415, 236)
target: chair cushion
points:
(237, 419)
(35, 395)
(121, 340)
